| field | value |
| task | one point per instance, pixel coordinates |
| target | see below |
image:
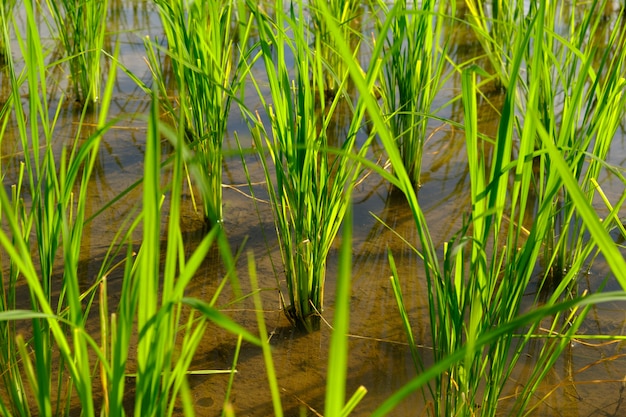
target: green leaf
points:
(220, 319)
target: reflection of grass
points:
(81, 25)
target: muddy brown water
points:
(586, 381)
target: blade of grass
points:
(265, 345)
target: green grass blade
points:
(338, 354)
(220, 319)
(265, 345)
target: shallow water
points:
(587, 380)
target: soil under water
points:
(587, 380)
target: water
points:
(587, 379)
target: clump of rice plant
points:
(580, 104)
(413, 74)
(573, 83)
(348, 16)
(169, 324)
(43, 221)
(478, 328)
(6, 10)
(203, 39)
(487, 272)
(81, 26)
(308, 179)
(497, 25)
(335, 404)
(52, 362)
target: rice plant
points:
(478, 327)
(52, 363)
(44, 219)
(206, 42)
(6, 10)
(338, 353)
(472, 300)
(348, 15)
(81, 26)
(170, 325)
(308, 192)
(585, 88)
(414, 73)
(497, 25)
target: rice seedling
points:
(586, 89)
(81, 26)
(338, 352)
(476, 293)
(45, 216)
(497, 25)
(308, 193)
(6, 10)
(51, 362)
(571, 77)
(496, 283)
(348, 15)
(203, 40)
(414, 72)
(170, 326)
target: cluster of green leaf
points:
(51, 363)
(5, 12)
(489, 267)
(310, 181)
(564, 101)
(205, 41)
(81, 27)
(414, 73)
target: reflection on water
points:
(587, 380)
